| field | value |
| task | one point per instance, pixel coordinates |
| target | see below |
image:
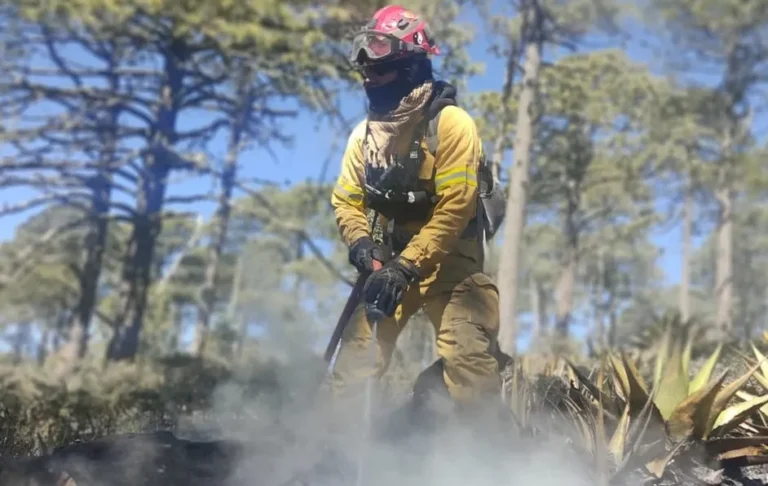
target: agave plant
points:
(623, 423)
(618, 432)
(761, 377)
(527, 387)
(681, 414)
(646, 343)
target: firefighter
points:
(424, 186)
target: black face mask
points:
(410, 74)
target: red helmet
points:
(392, 33)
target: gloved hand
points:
(363, 252)
(384, 289)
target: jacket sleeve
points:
(456, 164)
(347, 197)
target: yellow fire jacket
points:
(453, 175)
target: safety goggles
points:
(378, 46)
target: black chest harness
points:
(397, 193)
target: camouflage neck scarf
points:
(382, 131)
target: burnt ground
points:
(155, 459)
(163, 459)
(414, 446)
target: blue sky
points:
(313, 145)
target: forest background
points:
(166, 171)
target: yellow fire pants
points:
(463, 305)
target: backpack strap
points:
(476, 224)
(434, 108)
(432, 133)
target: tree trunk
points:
(565, 284)
(685, 257)
(542, 308)
(63, 321)
(509, 264)
(533, 290)
(207, 298)
(77, 342)
(564, 291)
(20, 340)
(234, 316)
(598, 291)
(612, 328)
(96, 239)
(598, 329)
(491, 249)
(42, 346)
(499, 145)
(137, 276)
(158, 162)
(743, 320)
(176, 316)
(538, 307)
(724, 261)
(242, 326)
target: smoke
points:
(295, 434)
(298, 435)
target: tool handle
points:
(352, 301)
(349, 308)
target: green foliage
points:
(619, 146)
(40, 412)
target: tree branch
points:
(303, 235)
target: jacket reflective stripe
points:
(348, 192)
(455, 166)
(452, 177)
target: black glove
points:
(384, 289)
(362, 253)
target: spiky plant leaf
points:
(741, 453)
(691, 416)
(619, 439)
(673, 386)
(641, 456)
(636, 380)
(686, 356)
(759, 375)
(600, 447)
(762, 380)
(614, 407)
(572, 377)
(519, 394)
(734, 415)
(659, 465)
(621, 382)
(728, 391)
(746, 396)
(647, 428)
(632, 384)
(705, 373)
(721, 445)
(640, 400)
(661, 356)
(761, 359)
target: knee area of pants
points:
(477, 369)
(477, 300)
